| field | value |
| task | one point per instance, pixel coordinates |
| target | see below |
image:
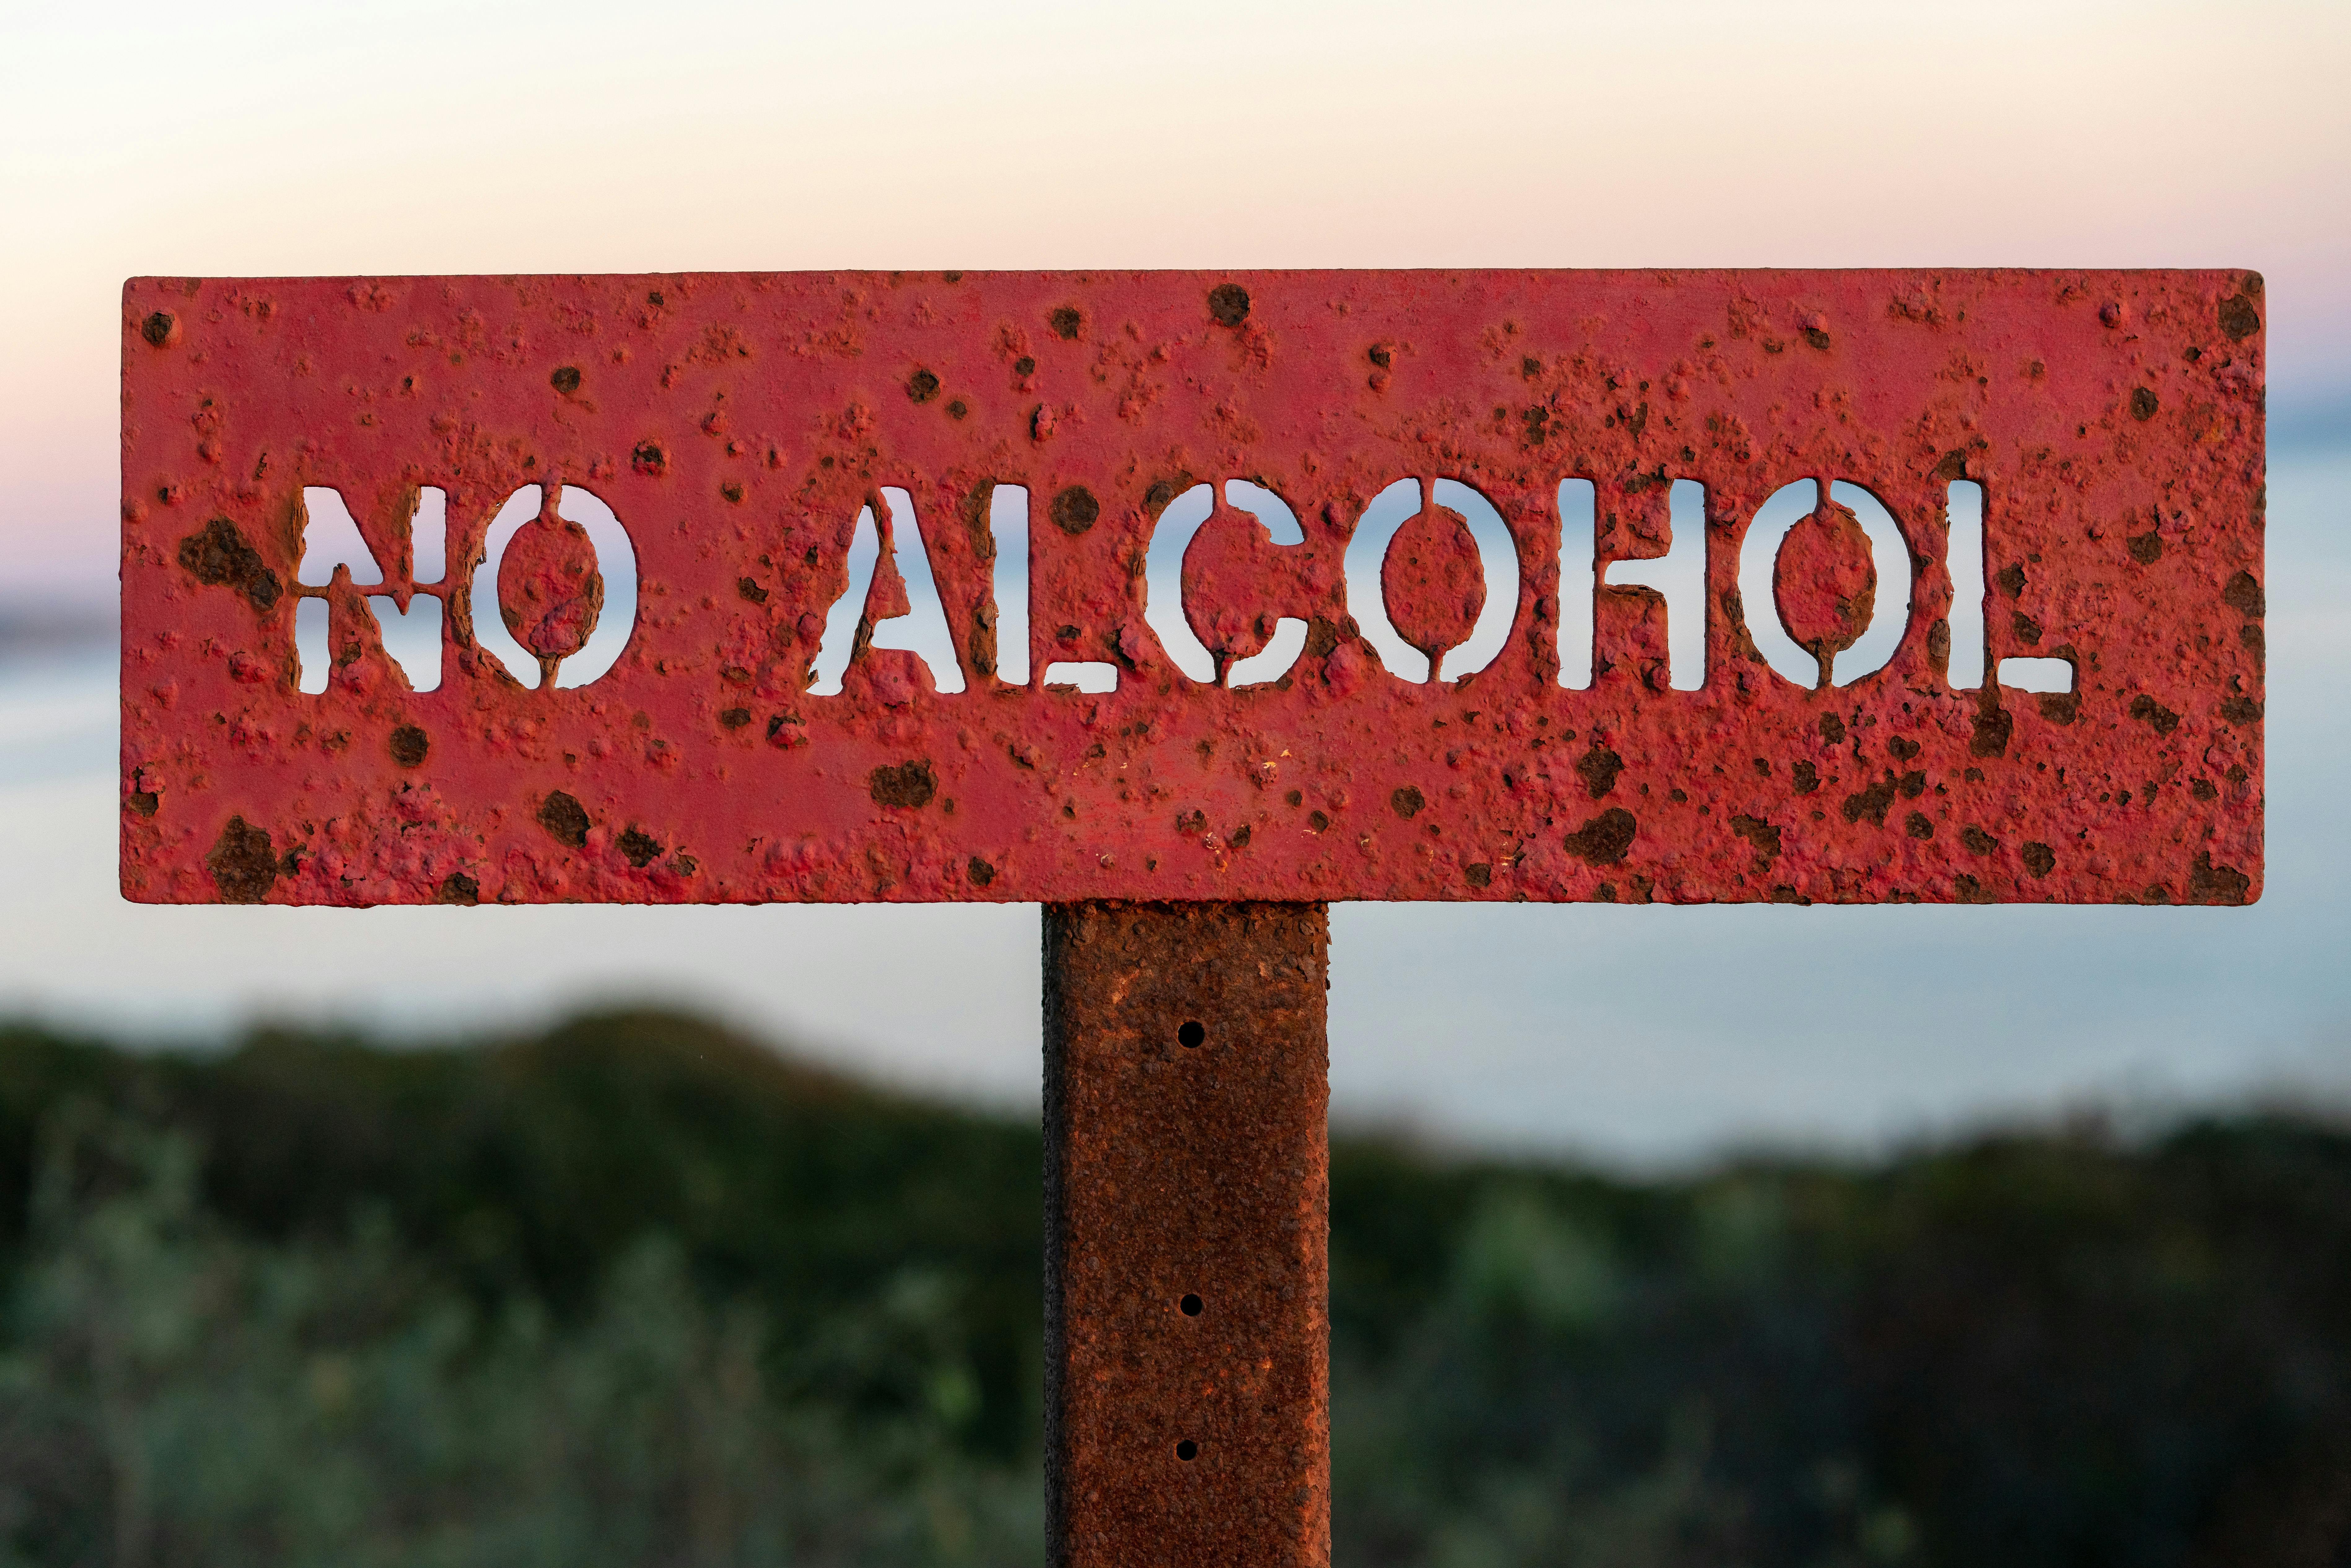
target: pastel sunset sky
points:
(219, 137)
(277, 138)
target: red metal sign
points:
(1842, 586)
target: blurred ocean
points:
(1647, 1036)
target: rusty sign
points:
(1792, 586)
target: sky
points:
(273, 138)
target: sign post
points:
(1186, 1212)
(1184, 604)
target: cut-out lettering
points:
(331, 537)
(616, 560)
(1964, 560)
(1759, 553)
(428, 535)
(1577, 581)
(1164, 607)
(490, 633)
(314, 663)
(412, 637)
(1008, 527)
(1678, 577)
(1163, 583)
(1891, 554)
(921, 631)
(332, 540)
(1886, 605)
(2051, 675)
(1367, 593)
(1087, 674)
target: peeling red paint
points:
(737, 423)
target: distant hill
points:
(2032, 1349)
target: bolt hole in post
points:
(1191, 1306)
(1187, 1451)
(1190, 1036)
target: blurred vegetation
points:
(640, 1291)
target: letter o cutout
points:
(616, 559)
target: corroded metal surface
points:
(1186, 1235)
(737, 424)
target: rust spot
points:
(2210, 884)
(921, 386)
(1967, 890)
(1405, 800)
(909, 785)
(639, 847)
(1074, 510)
(1954, 466)
(2240, 710)
(2142, 403)
(1917, 826)
(565, 820)
(734, 717)
(566, 379)
(1598, 768)
(1902, 750)
(1319, 821)
(957, 408)
(1380, 355)
(1239, 838)
(2242, 593)
(980, 872)
(242, 863)
(2145, 548)
(409, 746)
(217, 556)
(1817, 337)
(458, 888)
(1228, 304)
(2026, 629)
(2238, 317)
(749, 588)
(1832, 729)
(1603, 840)
(158, 328)
(2145, 707)
(1763, 835)
(2059, 707)
(1978, 841)
(2040, 858)
(1026, 365)
(1872, 802)
(1993, 726)
(1478, 874)
(146, 802)
(1807, 777)
(2011, 578)
(1065, 321)
(649, 459)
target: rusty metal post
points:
(1186, 1235)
